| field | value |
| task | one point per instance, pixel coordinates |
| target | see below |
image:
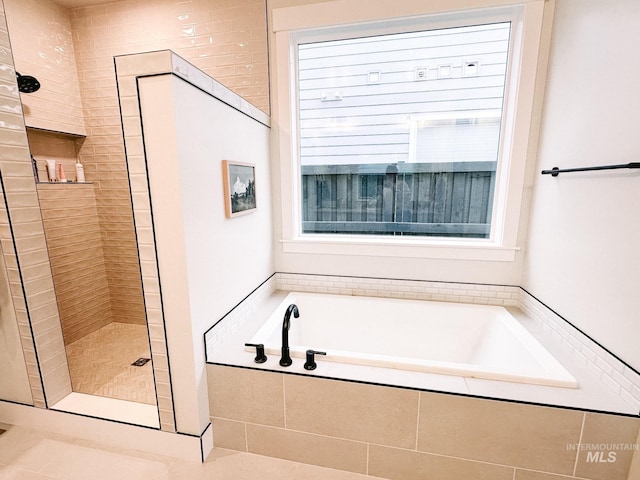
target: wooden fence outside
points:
(426, 199)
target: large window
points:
(399, 134)
(404, 129)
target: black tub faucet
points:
(285, 359)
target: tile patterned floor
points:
(100, 363)
(27, 454)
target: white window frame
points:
(317, 22)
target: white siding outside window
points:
(413, 120)
(345, 118)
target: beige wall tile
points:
(151, 63)
(51, 144)
(229, 434)
(77, 258)
(634, 470)
(312, 472)
(531, 475)
(99, 34)
(57, 105)
(499, 432)
(307, 448)
(369, 413)
(22, 199)
(227, 464)
(168, 425)
(246, 395)
(600, 436)
(96, 44)
(398, 464)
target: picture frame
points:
(239, 186)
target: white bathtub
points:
(466, 340)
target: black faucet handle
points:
(310, 364)
(260, 356)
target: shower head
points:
(27, 84)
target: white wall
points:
(208, 263)
(583, 255)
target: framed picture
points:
(239, 180)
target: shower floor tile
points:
(100, 363)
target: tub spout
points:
(285, 359)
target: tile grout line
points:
(284, 401)
(464, 459)
(418, 421)
(435, 454)
(575, 464)
(366, 469)
(246, 438)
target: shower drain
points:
(140, 362)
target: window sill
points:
(374, 247)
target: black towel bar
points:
(555, 171)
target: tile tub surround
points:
(407, 432)
(502, 295)
(460, 433)
(619, 378)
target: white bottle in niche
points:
(51, 170)
(79, 172)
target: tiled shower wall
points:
(42, 47)
(74, 238)
(77, 260)
(30, 246)
(224, 38)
